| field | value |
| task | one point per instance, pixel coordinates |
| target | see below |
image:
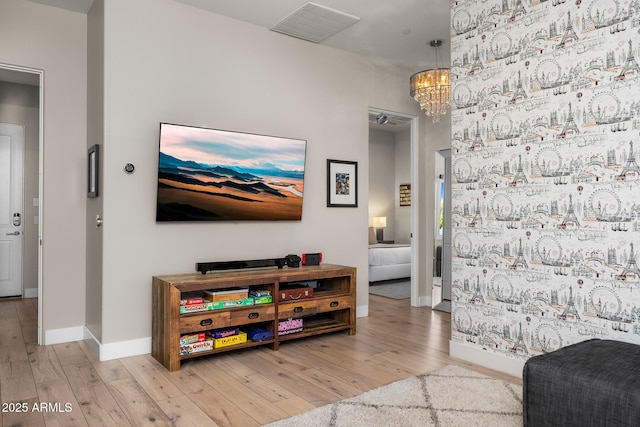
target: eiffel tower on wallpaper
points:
(570, 127)
(519, 345)
(570, 309)
(518, 10)
(520, 261)
(631, 269)
(477, 64)
(477, 139)
(631, 167)
(519, 93)
(630, 65)
(570, 35)
(477, 294)
(570, 219)
(520, 177)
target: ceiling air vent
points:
(314, 23)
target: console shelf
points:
(331, 308)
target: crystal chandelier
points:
(431, 88)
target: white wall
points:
(54, 40)
(382, 179)
(390, 166)
(166, 61)
(402, 157)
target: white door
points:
(11, 212)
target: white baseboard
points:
(424, 301)
(485, 358)
(117, 350)
(92, 342)
(30, 293)
(362, 311)
(58, 336)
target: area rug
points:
(450, 396)
(395, 290)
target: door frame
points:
(415, 297)
(40, 75)
(446, 228)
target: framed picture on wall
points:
(405, 194)
(92, 172)
(440, 208)
(342, 183)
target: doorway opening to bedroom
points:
(21, 102)
(390, 213)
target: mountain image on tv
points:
(214, 175)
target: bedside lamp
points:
(379, 223)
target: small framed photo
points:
(405, 194)
(342, 184)
(92, 172)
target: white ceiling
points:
(395, 32)
(381, 32)
(392, 31)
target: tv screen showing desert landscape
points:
(216, 175)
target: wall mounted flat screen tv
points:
(216, 175)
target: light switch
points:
(36, 201)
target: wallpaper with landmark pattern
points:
(546, 176)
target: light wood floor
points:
(245, 388)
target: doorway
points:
(441, 295)
(21, 101)
(392, 146)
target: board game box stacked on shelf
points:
(194, 302)
(191, 298)
(290, 326)
(209, 340)
(191, 302)
(219, 338)
(261, 296)
(195, 343)
(259, 334)
(239, 337)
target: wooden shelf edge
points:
(222, 310)
(313, 331)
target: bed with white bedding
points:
(389, 261)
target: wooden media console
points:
(331, 308)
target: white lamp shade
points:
(379, 221)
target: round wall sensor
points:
(129, 168)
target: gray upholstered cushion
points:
(591, 383)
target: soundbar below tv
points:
(216, 175)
